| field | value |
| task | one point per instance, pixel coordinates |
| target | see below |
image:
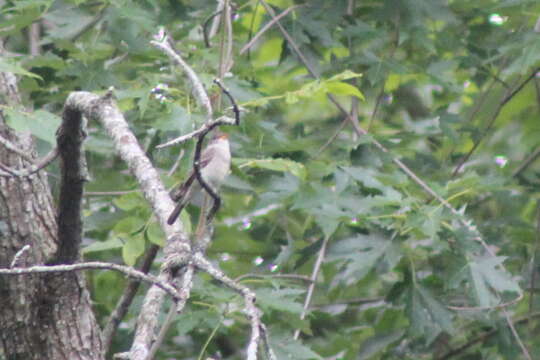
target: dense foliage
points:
(448, 87)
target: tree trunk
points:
(45, 316)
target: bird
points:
(215, 164)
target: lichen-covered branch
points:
(126, 270)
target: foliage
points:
(399, 265)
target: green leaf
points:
(378, 343)
(155, 234)
(428, 317)
(187, 321)
(360, 255)
(97, 246)
(345, 75)
(285, 347)
(132, 249)
(281, 165)
(281, 300)
(42, 124)
(10, 65)
(486, 276)
(342, 88)
(128, 201)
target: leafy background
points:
(401, 277)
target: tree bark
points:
(43, 316)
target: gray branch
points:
(128, 271)
(162, 42)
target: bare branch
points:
(266, 342)
(107, 113)
(235, 108)
(226, 58)
(34, 34)
(252, 312)
(275, 276)
(185, 291)
(205, 27)
(259, 212)
(522, 346)
(205, 128)
(16, 259)
(483, 337)
(291, 42)
(164, 44)
(313, 278)
(507, 97)
(534, 259)
(126, 299)
(207, 187)
(217, 19)
(95, 265)
(176, 163)
(494, 307)
(69, 138)
(266, 27)
(27, 171)
(527, 162)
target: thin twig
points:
(32, 169)
(522, 346)
(395, 45)
(126, 299)
(94, 265)
(483, 308)
(216, 20)
(163, 43)
(275, 276)
(259, 212)
(223, 120)
(266, 27)
(16, 259)
(234, 105)
(527, 162)
(252, 312)
(313, 278)
(483, 337)
(90, 25)
(508, 96)
(228, 50)
(197, 169)
(176, 163)
(205, 27)
(534, 259)
(290, 40)
(331, 139)
(266, 342)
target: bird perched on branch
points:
(215, 163)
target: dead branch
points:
(128, 271)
